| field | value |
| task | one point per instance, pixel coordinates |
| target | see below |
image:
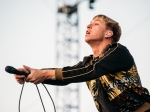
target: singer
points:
(110, 72)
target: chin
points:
(87, 40)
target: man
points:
(110, 73)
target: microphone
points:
(13, 70)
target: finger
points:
(19, 76)
(29, 79)
(20, 81)
(27, 68)
(36, 82)
(20, 69)
(23, 70)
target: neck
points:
(98, 47)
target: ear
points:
(108, 34)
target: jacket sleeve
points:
(56, 82)
(117, 58)
(58, 70)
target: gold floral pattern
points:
(92, 85)
(115, 84)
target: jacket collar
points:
(108, 47)
(105, 50)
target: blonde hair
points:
(112, 25)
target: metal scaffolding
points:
(67, 52)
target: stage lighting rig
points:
(67, 9)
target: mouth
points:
(87, 32)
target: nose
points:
(89, 25)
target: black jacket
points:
(112, 79)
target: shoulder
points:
(118, 45)
(119, 51)
(119, 48)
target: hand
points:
(20, 78)
(36, 76)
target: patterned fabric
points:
(126, 95)
(124, 90)
(92, 85)
(131, 99)
(118, 82)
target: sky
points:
(27, 37)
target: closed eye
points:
(96, 24)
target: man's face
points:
(95, 31)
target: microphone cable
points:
(39, 96)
